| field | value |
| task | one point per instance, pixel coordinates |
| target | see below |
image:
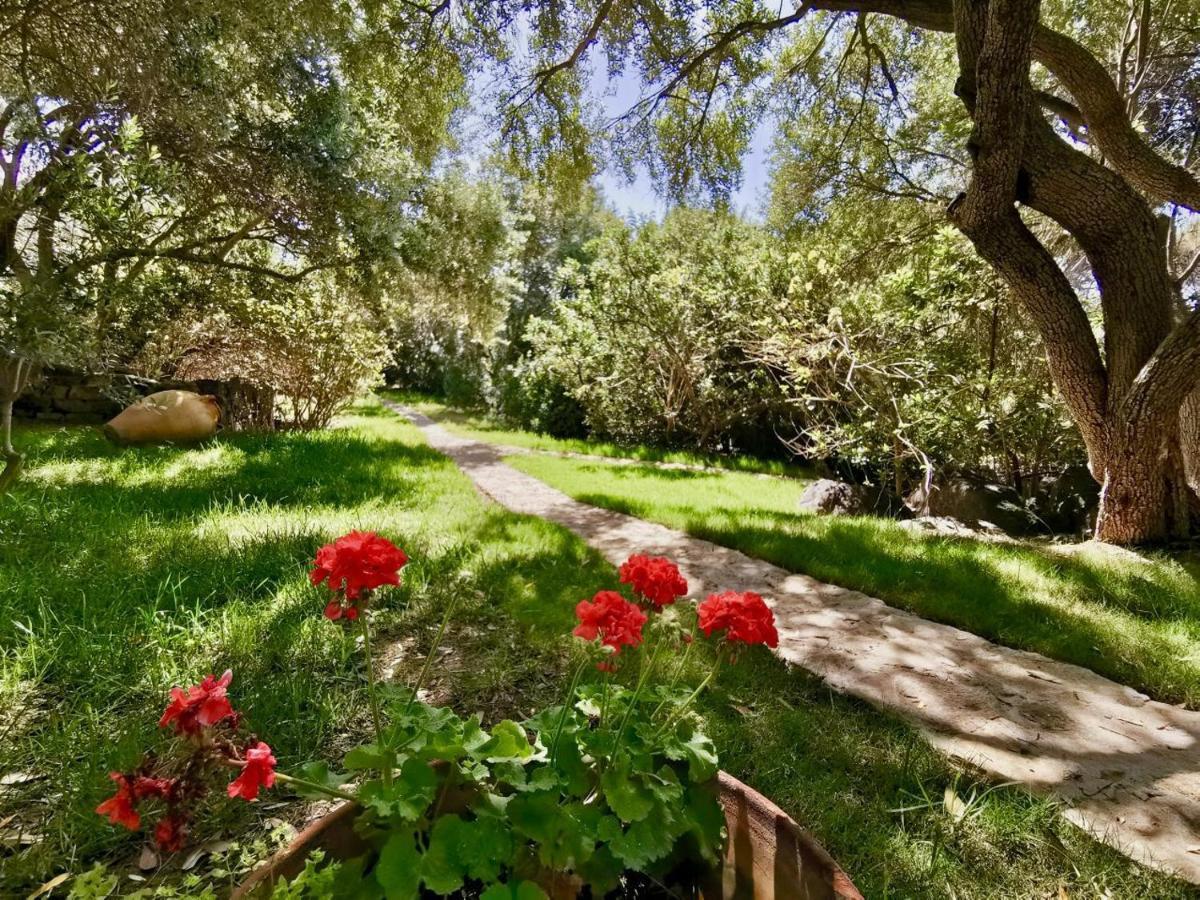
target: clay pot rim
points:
(309, 837)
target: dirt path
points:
(1126, 768)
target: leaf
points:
(369, 756)
(317, 771)
(522, 890)
(648, 840)
(508, 742)
(706, 819)
(49, 886)
(489, 847)
(442, 869)
(602, 871)
(628, 798)
(409, 795)
(696, 748)
(399, 868)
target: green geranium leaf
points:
(317, 771)
(649, 840)
(409, 794)
(369, 756)
(559, 830)
(508, 742)
(665, 785)
(707, 822)
(626, 794)
(686, 742)
(602, 871)
(442, 868)
(486, 848)
(571, 767)
(536, 816)
(399, 868)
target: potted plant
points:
(613, 792)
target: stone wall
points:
(80, 398)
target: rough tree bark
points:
(1127, 397)
(15, 373)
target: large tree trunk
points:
(15, 373)
(1144, 494)
(1189, 439)
(1127, 399)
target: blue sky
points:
(638, 200)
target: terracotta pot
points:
(768, 857)
(166, 416)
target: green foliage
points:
(237, 517)
(617, 783)
(161, 151)
(909, 358)
(317, 345)
(652, 338)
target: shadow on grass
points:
(1071, 608)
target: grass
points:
(124, 571)
(1135, 621)
(478, 426)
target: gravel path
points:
(1126, 768)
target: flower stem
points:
(637, 693)
(694, 694)
(562, 716)
(373, 693)
(680, 668)
(437, 642)
(313, 786)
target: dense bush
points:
(914, 362)
(314, 345)
(655, 338)
(880, 344)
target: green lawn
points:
(124, 571)
(479, 426)
(1137, 622)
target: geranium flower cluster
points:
(742, 618)
(611, 618)
(204, 718)
(353, 566)
(653, 578)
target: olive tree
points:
(1052, 133)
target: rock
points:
(977, 503)
(948, 526)
(844, 499)
(166, 416)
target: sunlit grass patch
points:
(152, 566)
(479, 426)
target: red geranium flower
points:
(358, 561)
(610, 617)
(199, 706)
(258, 771)
(654, 577)
(744, 618)
(170, 832)
(120, 808)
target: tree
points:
(139, 138)
(1104, 187)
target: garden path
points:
(1126, 768)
